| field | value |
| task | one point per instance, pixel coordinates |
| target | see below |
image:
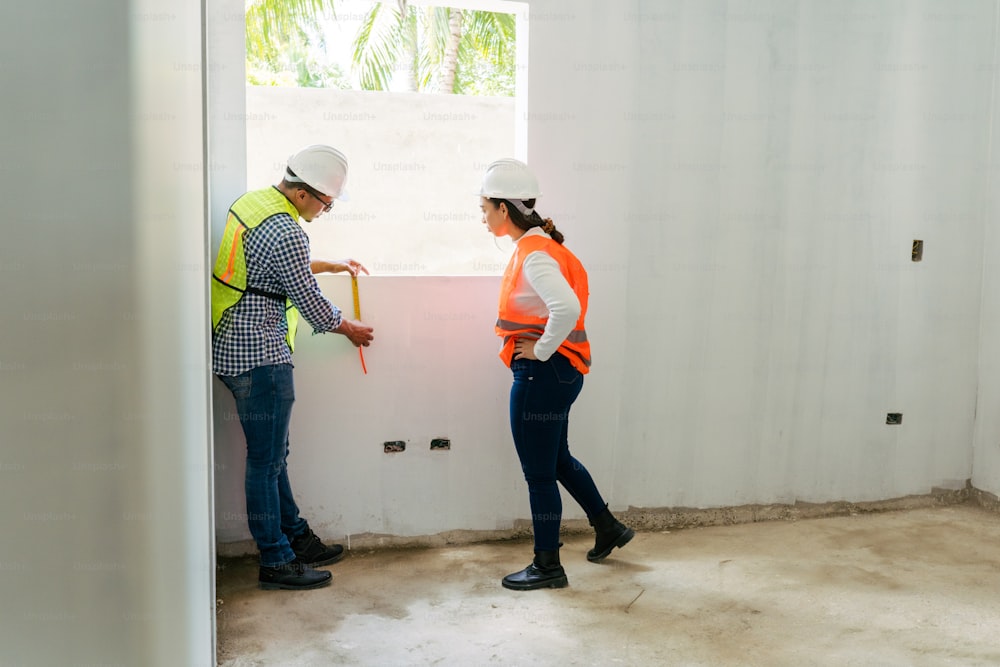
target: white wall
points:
(433, 371)
(782, 157)
(416, 160)
(104, 456)
(744, 184)
(986, 453)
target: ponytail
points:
(535, 220)
(549, 228)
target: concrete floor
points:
(916, 587)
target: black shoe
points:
(544, 572)
(311, 551)
(611, 533)
(294, 576)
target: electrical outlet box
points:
(894, 418)
(440, 443)
(393, 446)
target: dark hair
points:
(535, 220)
(301, 185)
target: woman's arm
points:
(542, 273)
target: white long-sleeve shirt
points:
(542, 290)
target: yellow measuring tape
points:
(357, 316)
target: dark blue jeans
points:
(540, 398)
(264, 397)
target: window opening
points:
(421, 97)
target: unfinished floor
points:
(916, 587)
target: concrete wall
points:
(744, 185)
(986, 453)
(433, 372)
(779, 163)
(415, 163)
(104, 444)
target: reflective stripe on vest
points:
(513, 324)
(575, 336)
(229, 278)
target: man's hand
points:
(351, 266)
(357, 332)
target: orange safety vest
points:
(513, 324)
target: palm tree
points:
(387, 42)
(441, 48)
(486, 54)
(270, 21)
(450, 61)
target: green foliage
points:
(295, 63)
(285, 47)
(385, 43)
(391, 41)
(486, 55)
(271, 22)
(480, 76)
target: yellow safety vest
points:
(229, 279)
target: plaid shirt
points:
(252, 333)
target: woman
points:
(543, 303)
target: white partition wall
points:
(986, 454)
(168, 186)
(782, 158)
(432, 373)
(104, 442)
(744, 183)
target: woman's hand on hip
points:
(524, 348)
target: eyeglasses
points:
(326, 207)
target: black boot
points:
(611, 533)
(544, 572)
(294, 576)
(312, 552)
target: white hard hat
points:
(321, 167)
(509, 179)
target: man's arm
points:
(352, 266)
(294, 268)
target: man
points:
(262, 281)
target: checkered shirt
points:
(252, 333)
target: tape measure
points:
(357, 316)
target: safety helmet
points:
(321, 167)
(509, 179)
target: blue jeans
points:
(264, 397)
(540, 398)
